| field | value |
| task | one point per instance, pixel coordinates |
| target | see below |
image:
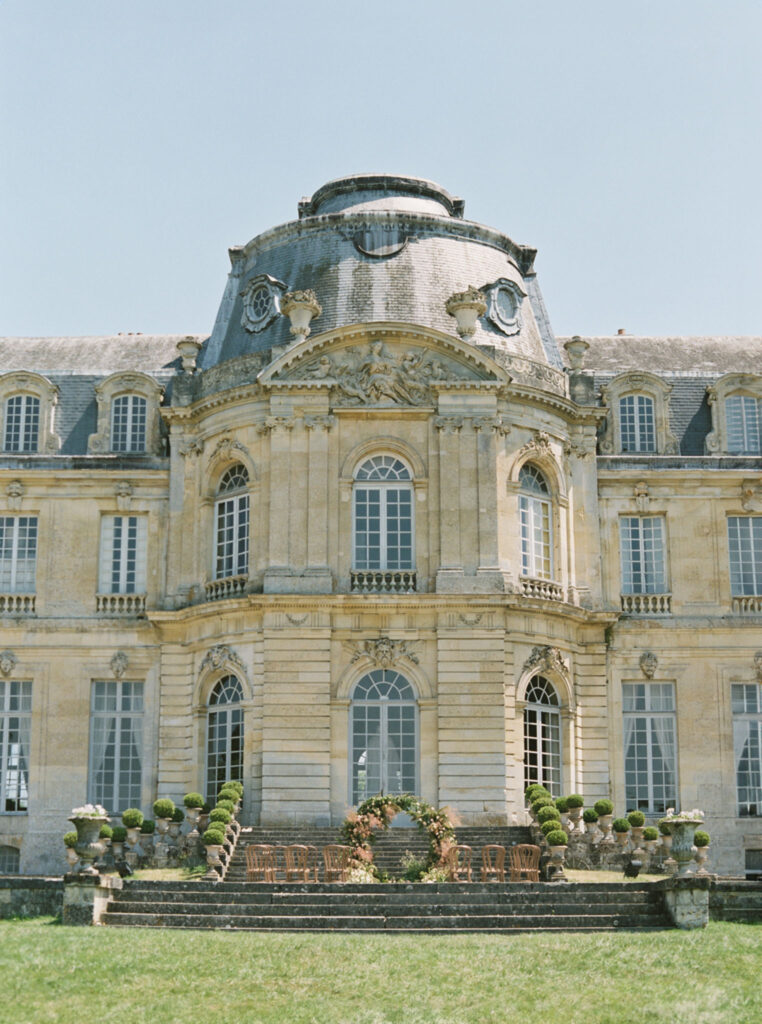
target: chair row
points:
(523, 863)
(299, 863)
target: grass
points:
(51, 973)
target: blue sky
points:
(140, 140)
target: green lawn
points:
(67, 975)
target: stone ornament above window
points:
(504, 300)
(261, 302)
(122, 385)
(547, 659)
(384, 651)
(21, 386)
(119, 664)
(8, 662)
(735, 401)
(650, 400)
(220, 656)
(648, 664)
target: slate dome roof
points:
(381, 248)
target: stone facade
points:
(207, 529)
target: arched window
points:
(383, 515)
(224, 735)
(231, 542)
(637, 426)
(542, 735)
(22, 424)
(384, 741)
(9, 860)
(535, 521)
(128, 423)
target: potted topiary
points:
(637, 820)
(178, 817)
(551, 825)
(543, 800)
(650, 837)
(701, 841)
(621, 828)
(682, 827)
(532, 791)
(590, 818)
(203, 818)
(557, 841)
(163, 810)
(234, 784)
(88, 820)
(605, 811)
(70, 841)
(575, 803)
(118, 836)
(193, 803)
(221, 817)
(214, 840)
(105, 835)
(132, 819)
(232, 795)
(562, 805)
(147, 830)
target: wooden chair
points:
(493, 863)
(524, 861)
(260, 863)
(296, 862)
(312, 864)
(459, 863)
(336, 862)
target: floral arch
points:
(379, 811)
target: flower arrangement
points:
(671, 815)
(378, 811)
(89, 811)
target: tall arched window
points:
(22, 424)
(384, 741)
(224, 735)
(535, 520)
(128, 423)
(231, 541)
(383, 515)
(637, 426)
(542, 735)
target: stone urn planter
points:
(681, 831)
(300, 307)
(133, 836)
(591, 827)
(701, 856)
(637, 835)
(88, 821)
(192, 816)
(575, 817)
(466, 307)
(557, 857)
(604, 824)
(71, 857)
(174, 830)
(162, 825)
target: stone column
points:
(279, 428)
(317, 517)
(450, 557)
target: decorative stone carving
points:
(297, 620)
(220, 655)
(576, 348)
(539, 446)
(8, 662)
(188, 348)
(496, 423)
(384, 652)
(580, 446)
(226, 450)
(650, 386)
(190, 447)
(15, 492)
(127, 383)
(123, 491)
(729, 385)
(751, 495)
(261, 302)
(642, 497)
(548, 659)
(35, 384)
(300, 307)
(276, 423)
(319, 422)
(757, 665)
(378, 378)
(648, 664)
(119, 664)
(449, 424)
(466, 307)
(470, 620)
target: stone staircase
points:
(399, 907)
(389, 848)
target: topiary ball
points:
(589, 815)
(178, 815)
(551, 825)
(193, 800)
(701, 838)
(164, 808)
(221, 815)
(106, 832)
(557, 838)
(574, 801)
(70, 839)
(650, 833)
(636, 818)
(562, 804)
(148, 827)
(548, 813)
(132, 817)
(213, 837)
(603, 807)
(620, 825)
(118, 834)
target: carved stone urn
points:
(576, 348)
(300, 307)
(682, 831)
(89, 846)
(466, 307)
(188, 349)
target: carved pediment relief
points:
(382, 369)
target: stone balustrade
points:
(120, 604)
(383, 581)
(230, 586)
(647, 604)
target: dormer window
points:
(742, 419)
(22, 424)
(637, 430)
(128, 424)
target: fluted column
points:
(450, 557)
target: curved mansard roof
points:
(380, 247)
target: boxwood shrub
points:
(148, 827)
(700, 838)
(106, 832)
(118, 834)
(164, 808)
(636, 818)
(221, 815)
(233, 784)
(548, 813)
(178, 815)
(574, 801)
(650, 833)
(70, 839)
(589, 815)
(603, 807)
(664, 828)
(226, 805)
(557, 837)
(620, 825)
(551, 825)
(534, 791)
(213, 837)
(562, 804)
(193, 800)
(132, 817)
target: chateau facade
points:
(381, 530)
